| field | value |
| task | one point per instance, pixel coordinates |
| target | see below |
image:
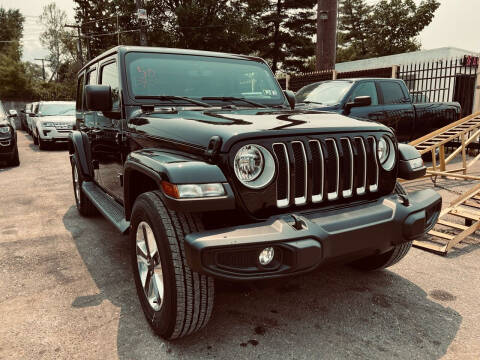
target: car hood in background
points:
(57, 118)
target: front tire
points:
(42, 145)
(382, 261)
(15, 161)
(175, 300)
(35, 138)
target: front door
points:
(108, 128)
(375, 110)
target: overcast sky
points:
(454, 24)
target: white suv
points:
(53, 122)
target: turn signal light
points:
(192, 190)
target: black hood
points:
(196, 127)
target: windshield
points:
(201, 76)
(57, 109)
(326, 93)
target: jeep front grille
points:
(325, 169)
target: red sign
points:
(469, 60)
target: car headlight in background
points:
(4, 129)
(48, 124)
(254, 166)
(386, 152)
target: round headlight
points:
(382, 150)
(254, 166)
(386, 152)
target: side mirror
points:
(98, 97)
(358, 102)
(290, 98)
(12, 113)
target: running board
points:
(109, 208)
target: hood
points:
(70, 119)
(195, 127)
(4, 122)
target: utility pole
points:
(326, 34)
(43, 67)
(141, 16)
(118, 32)
(79, 42)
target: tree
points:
(387, 28)
(56, 38)
(285, 34)
(13, 82)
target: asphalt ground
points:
(66, 291)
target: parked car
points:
(23, 117)
(207, 164)
(8, 137)
(53, 121)
(384, 100)
(30, 117)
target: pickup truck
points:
(387, 101)
(206, 163)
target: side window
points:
(366, 89)
(109, 76)
(392, 92)
(92, 77)
(80, 93)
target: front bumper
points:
(50, 134)
(7, 148)
(303, 241)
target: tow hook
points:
(404, 199)
(296, 222)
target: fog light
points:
(266, 256)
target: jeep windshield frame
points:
(200, 76)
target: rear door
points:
(375, 110)
(398, 107)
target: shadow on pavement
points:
(331, 313)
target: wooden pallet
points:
(466, 207)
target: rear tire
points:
(185, 302)
(84, 205)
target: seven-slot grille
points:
(325, 169)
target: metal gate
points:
(443, 81)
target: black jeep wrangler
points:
(204, 160)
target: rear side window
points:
(366, 89)
(80, 93)
(109, 76)
(392, 92)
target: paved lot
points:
(66, 291)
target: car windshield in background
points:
(325, 93)
(197, 77)
(57, 109)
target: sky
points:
(454, 24)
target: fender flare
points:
(79, 147)
(161, 166)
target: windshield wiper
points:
(232, 98)
(311, 102)
(172, 97)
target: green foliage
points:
(386, 28)
(281, 31)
